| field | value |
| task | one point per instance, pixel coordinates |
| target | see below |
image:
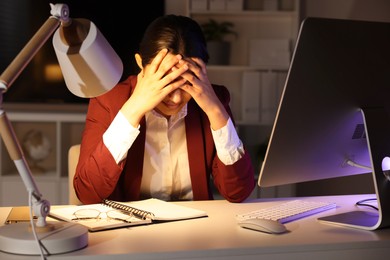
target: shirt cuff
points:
(229, 146)
(119, 137)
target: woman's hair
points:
(179, 34)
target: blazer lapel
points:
(196, 153)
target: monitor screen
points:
(334, 115)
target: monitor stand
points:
(377, 126)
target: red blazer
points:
(98, 176)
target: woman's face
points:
(173, 102)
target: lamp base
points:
(61, 237)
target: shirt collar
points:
(173, 119)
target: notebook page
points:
(166, 211)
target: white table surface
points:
(219, 237)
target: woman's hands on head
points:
(164, 75)
(199, 87)
(154, 83)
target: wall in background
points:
(373, 10)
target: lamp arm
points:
(41, 207)
(60, 14)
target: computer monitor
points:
(333, 119)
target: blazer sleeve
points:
(97, 173)
(234, 182)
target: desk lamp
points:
(90, 68)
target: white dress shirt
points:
(166, 172)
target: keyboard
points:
(288, 211)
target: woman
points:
(166, 132)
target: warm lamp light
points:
(52, 73)
(90, 68)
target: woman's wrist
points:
(218, 117)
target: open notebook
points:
(111, 214)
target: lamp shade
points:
(90, 66)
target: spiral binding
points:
(142, 214)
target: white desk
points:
(219, 237)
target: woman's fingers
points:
(161, 69)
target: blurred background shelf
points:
(45, 132)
